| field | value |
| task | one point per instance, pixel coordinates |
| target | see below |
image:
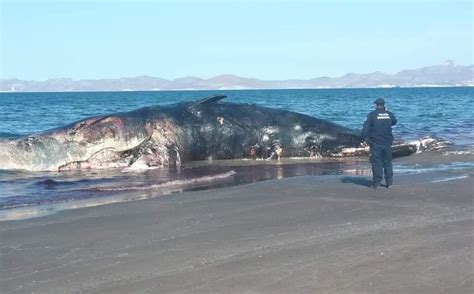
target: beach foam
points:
(183, 182)
(450, 179)
(417, 168)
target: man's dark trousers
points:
(381, 159)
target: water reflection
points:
(38, 194)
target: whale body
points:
(169, 135)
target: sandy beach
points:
(308, 234)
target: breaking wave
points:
(450, 179)
(417, 169)
(175, 183)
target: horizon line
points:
(246, 89)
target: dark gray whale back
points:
(168, 135)
(224, 130)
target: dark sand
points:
(299, 235)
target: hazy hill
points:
(445, 74)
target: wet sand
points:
(327, 234)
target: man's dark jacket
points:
(378, 127)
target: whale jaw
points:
(146, 154)
(96, 144)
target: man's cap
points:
(380, 101)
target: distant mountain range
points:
(447, 74)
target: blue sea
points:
(436, 112)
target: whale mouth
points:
(148, 154)
(49, 154)
(96, 143)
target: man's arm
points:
(393, 118)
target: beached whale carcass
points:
(169, 135)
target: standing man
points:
(377, 133)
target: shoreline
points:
(302, 234)
(233, 173)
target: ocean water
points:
(437, 112)
(443, 112)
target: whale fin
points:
(210, 99)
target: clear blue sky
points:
(261, 39)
